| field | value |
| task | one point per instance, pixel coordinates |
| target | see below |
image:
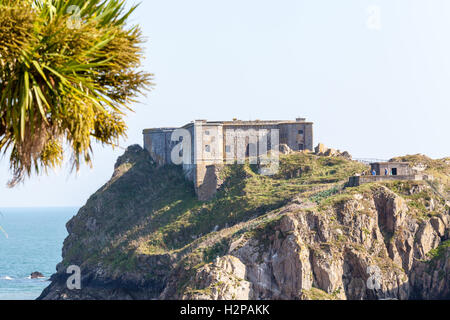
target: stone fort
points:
(201, 146)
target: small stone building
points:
(395, 171)
(393, 168)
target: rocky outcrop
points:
(222, 280)
(285, 149)
(322, 150)
(36, 275)
(377, 241)
(368, 246)
(431, 278)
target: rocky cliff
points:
(297, 235)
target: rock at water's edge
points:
(37, 275)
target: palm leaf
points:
(65, 86)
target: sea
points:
(31, 239)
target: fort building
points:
(201, 143)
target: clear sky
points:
(373, 75)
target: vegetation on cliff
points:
(298, 234)
(166, 215)
(438, 168)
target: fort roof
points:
(168, 129)
(386, 163)
(234, 122)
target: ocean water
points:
(31, 240)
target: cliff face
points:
(297, 235)
(336, 250)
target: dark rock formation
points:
(37, 275)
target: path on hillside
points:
(296, 203)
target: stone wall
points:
(210, 184)
(293, 135)
(309, 136)
(359, 180)
(158, 143)
(244, 141)
(402, 168)
(208, 148)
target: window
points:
(180, 153)
(250, 148)
(394, 171)
(301, 147)
(207, 133)
(301, 132)
(208, 148)
(227, 149)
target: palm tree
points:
(69, 69)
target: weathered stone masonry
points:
(395, 171)
(213, 143)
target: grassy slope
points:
(418, 202)
(439, 168)
(246, 195)
(149, 211)
(332, 169)
(146, 210)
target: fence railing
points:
(369, 160)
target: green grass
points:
(439, 252)
(337, 197)
(309, 169)
(217, 250)
(321, 196)
(246, 194)
(317, 294)
(420, 201)
(148, 210)
(439, 168)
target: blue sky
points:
(377, 89)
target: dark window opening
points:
(207, 148)
(394, 171)
(252, 147)
(300, 132)
(227, 149)
(301, 147)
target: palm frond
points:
(60, 85)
